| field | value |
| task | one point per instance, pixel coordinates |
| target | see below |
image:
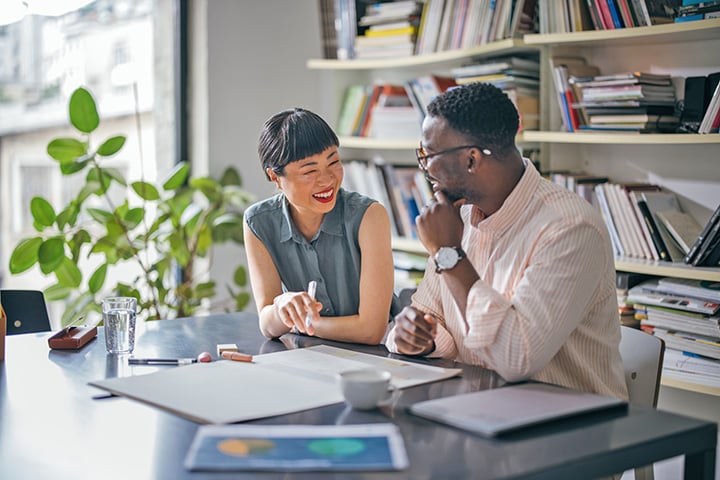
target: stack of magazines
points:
(685, 314)
(629, 101)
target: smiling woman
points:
(313, 230)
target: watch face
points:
(446, 258)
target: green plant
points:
(162, 231)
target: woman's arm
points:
(376, 285)
(278, 311)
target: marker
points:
(237, 356)
(161, 361)
(312, 288)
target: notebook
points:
(493, 412)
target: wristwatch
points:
(447, 257)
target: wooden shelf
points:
(692, 387)
(667, 269)
(622, 138)
(622, 264)
(509, 45)
(410, 245)
(669, 33)
(367, 143)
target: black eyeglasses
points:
(423, 156)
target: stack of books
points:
(692, 10)
(629, 101)
(388, 30)
(517, 76)
(684, 313)
(579, 182)
(455, 24)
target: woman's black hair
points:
(292, 135)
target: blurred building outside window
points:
(122, 51)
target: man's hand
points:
(415, 332)
(439, 224)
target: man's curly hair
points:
(481, 111)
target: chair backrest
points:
(26, 311)
(642, 357)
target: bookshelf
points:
(683, 160)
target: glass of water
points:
(119, 319)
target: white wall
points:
(247, 62)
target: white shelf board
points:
(668, 33)
(507, 45)
(692, 387)
(616, 138)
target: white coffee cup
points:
(366, 388)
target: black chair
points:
(26, 311)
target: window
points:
(116, 50)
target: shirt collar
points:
(514, 204)
(331, 224)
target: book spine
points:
(654, 232)
(614, 14)
(690, 257)
(708, 245)
(609, 221)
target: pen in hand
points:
(312, 287)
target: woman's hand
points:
(292, 308)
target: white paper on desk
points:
(324, 361)
(274, 384)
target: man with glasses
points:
(521, 278)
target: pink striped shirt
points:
(545, 306)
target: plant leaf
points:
(98, 278)
(68, 274)
(66, 149)
(230, 177)
(56, 292)
(83, 112)
(177, 176)
(42, 212)
(111, 146)
(51, 254)
(25, 255)
(90, 187)
(205, 290)
(209, 187)
(240, 276)
(241, 301)
(68, 168)
(133, 217)
(146, 191)
(99, 215)
(115, 174)
(68, 216)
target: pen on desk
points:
(237, 356)
(161, 361)
(312, 288)
(103, 396)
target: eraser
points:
(226, 347)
